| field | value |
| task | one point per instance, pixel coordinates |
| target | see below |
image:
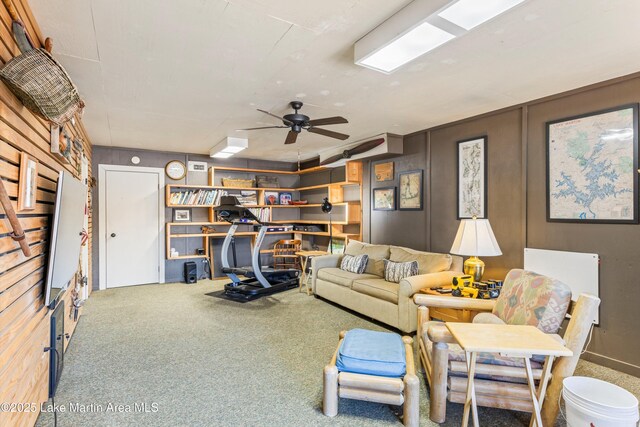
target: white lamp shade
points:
(475, 238)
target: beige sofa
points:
(370, 294)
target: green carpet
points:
(196, 360)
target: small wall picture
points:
(472, 178)
(285, 198)
(271, 198)
(410, 198)
(383, 171)
(27, 182)
(384, 199)
(182, 215)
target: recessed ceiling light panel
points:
(469, 14)
(414, 43)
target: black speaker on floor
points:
(190, 272)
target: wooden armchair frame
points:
(437, 367)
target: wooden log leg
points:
(532, 390)
(575, 337)
(438, 382)
(411, 410)
(470, 401)
(542, 386)
(330, 391)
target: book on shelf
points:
(194, 197)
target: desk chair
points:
(284, 254)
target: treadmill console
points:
(231, 210)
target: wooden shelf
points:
(171, 205)
(203, 186)
(310, 205)
(220, 187)
(334, 191)
(299, 172)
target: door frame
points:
(102, 237)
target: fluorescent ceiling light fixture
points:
(407, 47)
(420, 27)
(221, 155)
(228, 147)
(469, 14)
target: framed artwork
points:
(472, 178)
(27, 182)
(592, 167)
(285, 198)
(182, 215)
(383, 171)
(384, 199)
(410, 197)
(271, 198)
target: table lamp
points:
(475, 238)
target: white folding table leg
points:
(532, 391)
(470, 401)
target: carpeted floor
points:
(196, 360)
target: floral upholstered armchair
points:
(526, 298)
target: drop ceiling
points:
(182, 75)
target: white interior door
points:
(132, 225)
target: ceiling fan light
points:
(469, 14)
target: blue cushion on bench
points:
(372, 353)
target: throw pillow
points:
(354, 264)
(396, 271)
(376, 253)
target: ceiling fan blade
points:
(329, 133)
(328, 121)
(332, 159)
(365, 146)
(277, 117)
(291, 137)
(264, 127)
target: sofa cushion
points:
(354, 263)
(396, 271)
(372, 353)
(428, 262)
(377, 254)
(341, 277)
(377, 288)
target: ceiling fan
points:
(296, 122)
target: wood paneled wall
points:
(24, 321)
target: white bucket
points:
(592, 402)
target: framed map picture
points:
(592, 164)
(472, 178)
(383, 171)
(384, 199)
(410, 198)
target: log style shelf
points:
(346, 214)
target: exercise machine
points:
(259, 281)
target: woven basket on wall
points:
(42, 85)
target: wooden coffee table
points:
(521, 341)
